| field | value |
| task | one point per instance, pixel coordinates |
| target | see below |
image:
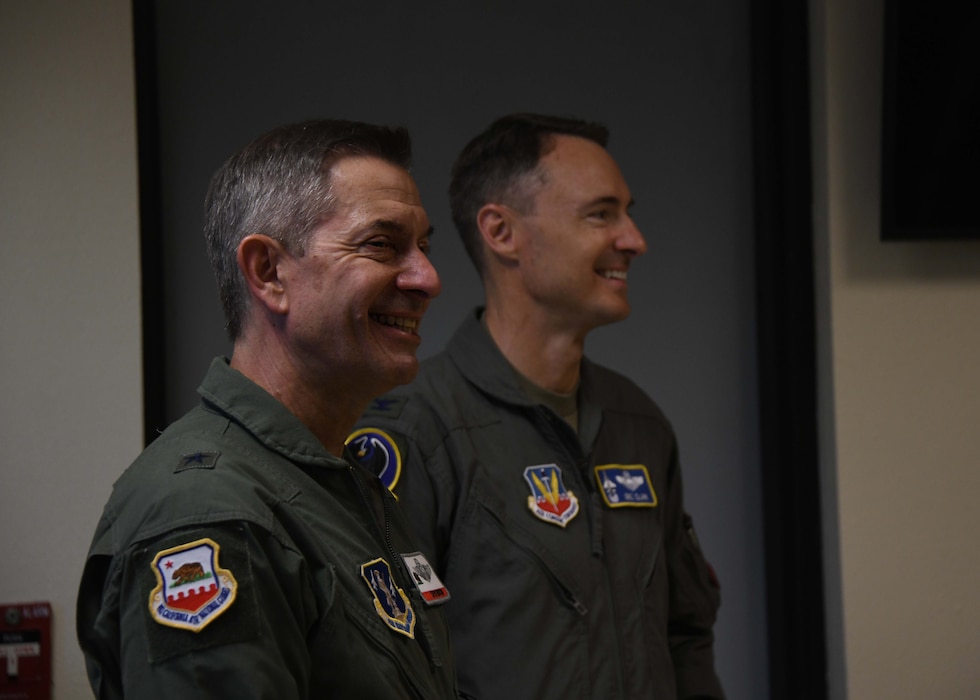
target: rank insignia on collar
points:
(378, 452)
(426, 580)
(626, 486)
(192, 590)
(550, 500)
(390, 601)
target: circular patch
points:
(378, 452)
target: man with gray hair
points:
(244, 554)
(546, 489)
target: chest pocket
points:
(506, 546)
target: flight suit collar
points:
(233, 394)
(478, 358)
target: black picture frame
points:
(930, 147)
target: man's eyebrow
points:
(387, 225)
(608, 199)
(392, 226)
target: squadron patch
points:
(626, 486)
(428, 583)
(390, 601)
(550, 500)
(192, 590)
(378, 452)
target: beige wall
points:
(70, 391)
(901, 389)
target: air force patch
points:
(550, 500)
(378, 452)
(390, 601)
(626, 485)
(192, 590)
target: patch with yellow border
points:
(192, 589)
(390, 601)
(626, 486)
(378, 452)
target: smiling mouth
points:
(613, 274)
(408, 325)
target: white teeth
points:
(408, 324)
(614, 274)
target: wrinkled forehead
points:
(371, 189)
(355, 177)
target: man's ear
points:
(259, 258)
(496, 223)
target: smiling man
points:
(244, 553)
(547, 489)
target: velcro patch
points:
(237, 623)
(390, 601)
(429, 584)
(378, 452)
(550, 501)
(192, 589)
(626, 486)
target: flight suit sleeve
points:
(247, 640)
(694, 599)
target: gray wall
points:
(670, 79)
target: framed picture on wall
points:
(930, 156)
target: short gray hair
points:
(279, 185)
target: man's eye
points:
(600, 215)
(380, 244)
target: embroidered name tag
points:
(626, 485)
(192, 590)
(390, 602)
(550, 500)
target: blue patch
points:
(377, 451)
(550, 500)
(626, 486)
(390, 602)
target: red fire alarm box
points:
(25, 651)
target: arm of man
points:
(694, 600)
(247, 641)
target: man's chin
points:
(398, 375)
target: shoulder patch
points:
(192, 589)
(387, 406)
(378, 452)
(390, 602)
(626, 486)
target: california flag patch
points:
(192, 589)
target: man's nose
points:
(420, 276)
(630, 239)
